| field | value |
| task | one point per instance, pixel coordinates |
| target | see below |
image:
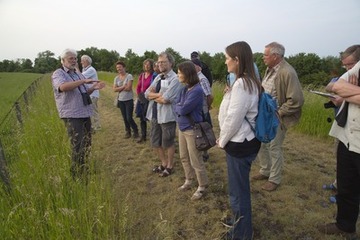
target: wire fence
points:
(11, 123)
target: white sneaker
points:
(198, 194)
(185, 186)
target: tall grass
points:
(44, 202)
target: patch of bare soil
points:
(150, 207)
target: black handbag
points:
(203, 134)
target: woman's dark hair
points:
(187, 68)
(241, 51)
(121, 63)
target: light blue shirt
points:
(170, 89)
(90, 73)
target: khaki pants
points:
(271, 157)
(191, 158)
(95, 118)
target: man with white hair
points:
(282, 83)
(90, 72)
(71, 92)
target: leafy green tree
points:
(25, 65)
(45, 62)
(219, 69)
(106, 60)
(332, 65)
(206, 58)
(316, 79)
(103, 60)
(149, 55)
(8, 66)
(258, 59)
(305, 63)
(177, 56)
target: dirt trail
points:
(159, 211)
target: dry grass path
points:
(153, 209)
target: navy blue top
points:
(189, 102)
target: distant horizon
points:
(319, 27)
(186, 57)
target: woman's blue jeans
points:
(240, 195)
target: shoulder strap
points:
(252, 128)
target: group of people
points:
(171, 101)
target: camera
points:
(86, 98)
(329, 104)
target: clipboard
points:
(323, 94)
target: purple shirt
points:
(70, 104)
(189, 102)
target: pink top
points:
(143, 83)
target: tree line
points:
(310, 68)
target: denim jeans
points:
(127, 109)
(240, 196)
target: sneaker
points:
(259, 176)
(332, 229)
(127, 135)
(198, 194)
(269, 186)
(185, 186)
(329, 187)
(141, 140)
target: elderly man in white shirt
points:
(90, 72)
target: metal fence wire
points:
(14, 120)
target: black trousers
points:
(348, 183)
(127, 109)
(79, 131)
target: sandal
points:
(166, 172)
(158, 169)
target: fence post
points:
(18, 112)
(3, 171)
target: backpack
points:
(267, 120)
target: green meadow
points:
(12, 85)
(123, 199)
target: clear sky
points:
(324, 27)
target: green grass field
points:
(12, 85)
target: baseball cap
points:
(194, 55)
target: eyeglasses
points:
(162, 62)
(348, 65)
(72, 58)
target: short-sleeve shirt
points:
(124, 95)
(90, 73)
(69, 103)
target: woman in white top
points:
(236, 136)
